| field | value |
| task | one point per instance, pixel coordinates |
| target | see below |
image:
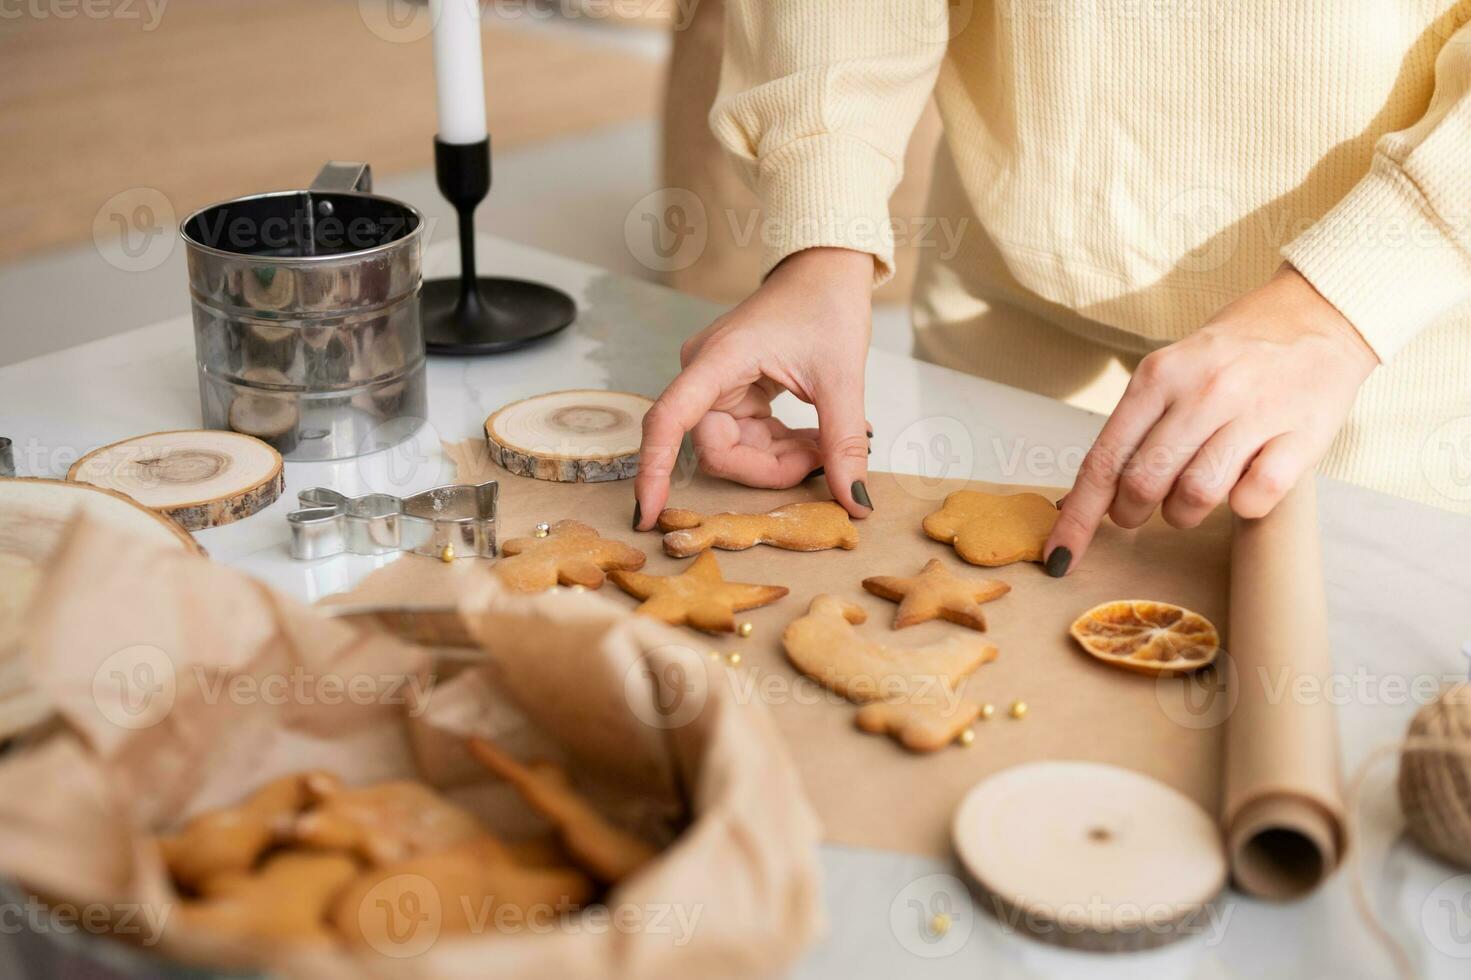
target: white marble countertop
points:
(1398, 588)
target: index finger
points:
(1085, 505)
(689, 396)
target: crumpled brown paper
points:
(180, 685)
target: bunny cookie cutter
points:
(456, 520)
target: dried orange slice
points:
(1150, 637)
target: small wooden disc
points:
(581, 436)
(199, 477)
(33, 515)
(1090, 856)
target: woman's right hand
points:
(805, 330)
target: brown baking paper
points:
(571, 678)
(870, 792)
(1283, 810)
(867, 790)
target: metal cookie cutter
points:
(446, 522)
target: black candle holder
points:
(476, 314)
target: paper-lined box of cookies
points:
(238, 781)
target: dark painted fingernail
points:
(817, 472)
(638, 515)
(860, 494)
(1059, 560)
(1061, 500)
(870, 433)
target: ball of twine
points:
(1435, 780)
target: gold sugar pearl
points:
(714, 654)
(940, 924)
(1018, 709)
(968, 737)
(734, 659)
(745, 628)
(542, 530)
(448, 554)
(987, 710)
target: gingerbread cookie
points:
(815, 525)
(230, 840)
(606, 852)
(571, 554)
(698, 597)
(285, 901)
(920, 726)
(384, 822)
(467, 886)
(937, 593)
(824, 645)
(993, 528)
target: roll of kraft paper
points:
(1282, 801)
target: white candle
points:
(459, 74)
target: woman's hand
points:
(1239, 410)
(805, 331)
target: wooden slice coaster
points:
(33, 515)
(582, 436)
(1090, 856)
(199, 477)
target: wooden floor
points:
(226, 97)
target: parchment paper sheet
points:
(78, 807)
(870, 792)
(1283, 809)
(867, 790)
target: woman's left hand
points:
(1238, 410)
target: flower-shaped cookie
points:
(993, 528)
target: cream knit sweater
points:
(1114, 171)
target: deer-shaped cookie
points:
(814, 525)
(824, 645)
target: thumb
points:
(842, 438)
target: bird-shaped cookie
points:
(571, 554)
(699, 597)
(824, 645)
(919, 726)
(937, 593)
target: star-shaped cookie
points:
(993, 528)
(699, 596)
(571, 554)
(937, 593)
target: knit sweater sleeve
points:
(1394, 255)
(817, 101)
